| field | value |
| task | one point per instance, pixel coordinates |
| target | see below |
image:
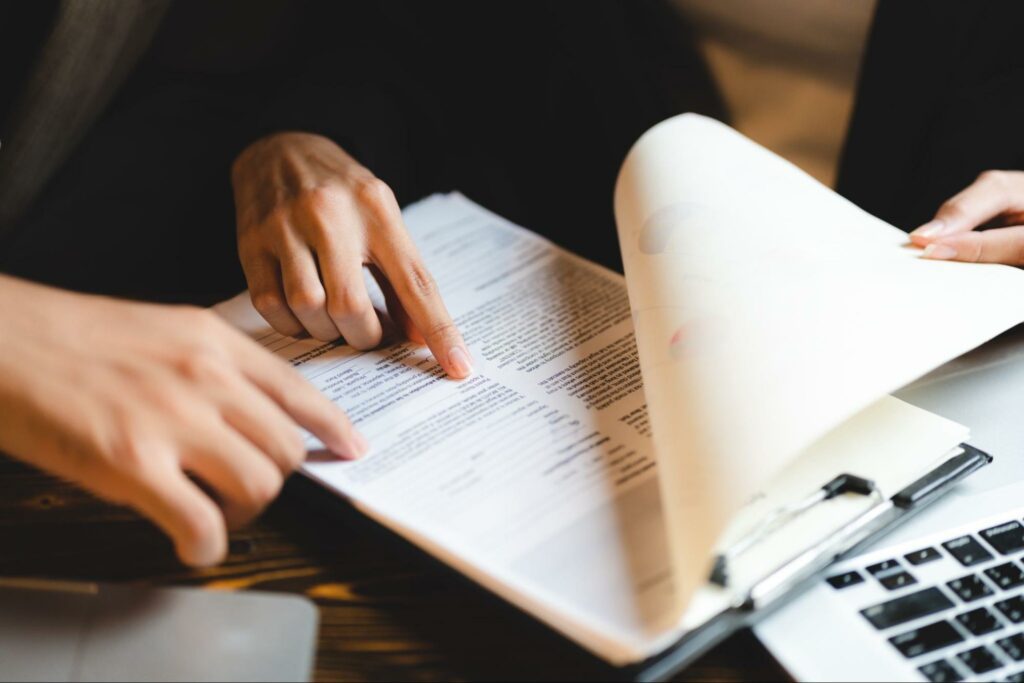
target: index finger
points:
(298, 398)
(418, 294)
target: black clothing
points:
(527, 108)
(23, 28)
(941, 99)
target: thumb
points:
(1002, 245)
(992, 194)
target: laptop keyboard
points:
(954, 610)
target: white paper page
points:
(535, 477)
(769, 310)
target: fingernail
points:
(930, 229)
(460, 363)
(941, 252)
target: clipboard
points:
(789, 579)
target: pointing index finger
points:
(299, 399)
(416, 289)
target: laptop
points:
(941, 599)
(70, 631)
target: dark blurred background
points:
(114, 172)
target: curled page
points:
(769, 310)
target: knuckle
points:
(374, 194)
(316, 199)
(201, 364)
(267, 304)
(132, 451)
(307, 299)
(952, 208)
(347, 303)
(993, 176)
(998, 182)
(420, 281)
(442, 330)
(323, 234)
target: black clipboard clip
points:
(840, 485)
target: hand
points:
(310, 217)
(126, 398)
(996, 197)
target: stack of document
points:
(635, 456)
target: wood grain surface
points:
(387, 611)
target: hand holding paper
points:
(996, 196)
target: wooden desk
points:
(386, 611)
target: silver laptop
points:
(942, 599)
(89, 632)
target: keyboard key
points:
(1006, 576)
(883, 567)
(907, 608)
(969, 588)
(891, 575)
(1012, 608)
(967, 551)
(980, 660)
(922, 556)
(846, 580)
(1006, 538)
(940, 672)
(979, 621)
(926, 639)
(896, 581)
(1013, 646)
